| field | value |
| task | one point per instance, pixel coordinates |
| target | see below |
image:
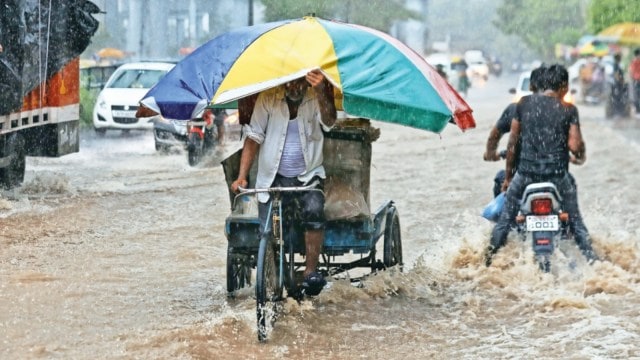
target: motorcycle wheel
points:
(544, 262)
(608, 110)
(194, 156)
(195, 150)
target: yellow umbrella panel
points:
(278, 57)
(627, 33)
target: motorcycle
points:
(201, 139)
(540, 220)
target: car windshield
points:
(525, 84)
(136, 79)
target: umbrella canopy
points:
(374, 75)
(594, 48)
(627, 33)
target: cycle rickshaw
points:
(351, 233)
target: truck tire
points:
(13, 175)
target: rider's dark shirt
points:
(504, 122)
(544, 133)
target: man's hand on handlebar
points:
(495, 155)
(505, 184)
(574, 160)
(239, 183)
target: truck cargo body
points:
(40, 42)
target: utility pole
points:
(425, 26)
(250, 20)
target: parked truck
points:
(40, 42)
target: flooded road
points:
(118, 252)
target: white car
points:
(117, 103)
(444, 60)
(477, 63)
(522, 89)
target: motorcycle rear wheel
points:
(195, 149)
(544, 262)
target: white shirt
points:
(268, 127)
(292, 161)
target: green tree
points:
(541, 24)
(378, 14)
(604, 13)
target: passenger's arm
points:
(514, 139)
(491, 153)
(577, 147)
(324, 93)
(249, 151)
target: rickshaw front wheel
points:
(269, 289)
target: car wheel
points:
(100, 131)
(161, 147)
(13, 174)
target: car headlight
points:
(102, 105)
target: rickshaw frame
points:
(356, 233)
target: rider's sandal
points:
(313, 283)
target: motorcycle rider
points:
(503, 125)
(546, 131)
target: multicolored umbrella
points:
(374, 75)
(626, 33)
(594, 48)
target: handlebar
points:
(274, 190)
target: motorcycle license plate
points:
(542, 223)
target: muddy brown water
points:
(118, 252)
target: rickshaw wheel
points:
(269, 290)
(238, 271)
(392, 240)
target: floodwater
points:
(118, 252)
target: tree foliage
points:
(604, 13)
(540, 24)
(378, 14)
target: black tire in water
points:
(238, 271)
(194, 150)
(268, 289)
(13, 175)
(544, 262)
(392, 254)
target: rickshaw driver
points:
(286, 126)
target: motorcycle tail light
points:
(543, 241)
(541, 206)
